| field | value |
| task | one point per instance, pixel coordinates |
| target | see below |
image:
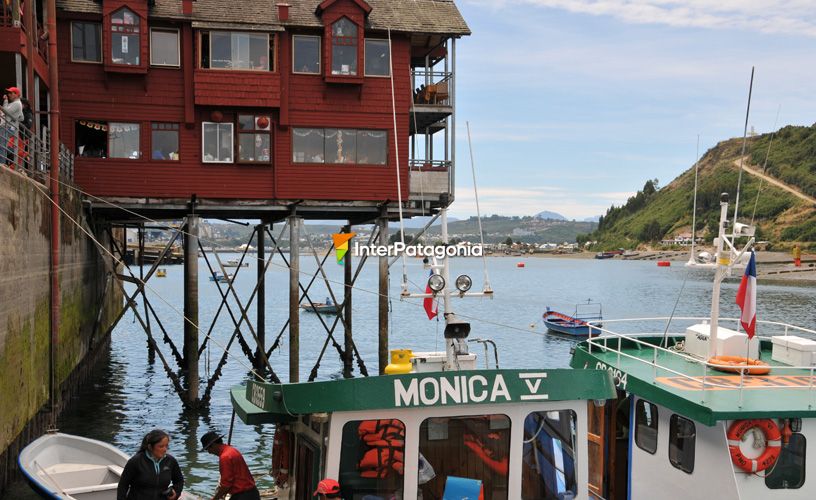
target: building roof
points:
(408, 16)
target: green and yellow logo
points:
(341, 245)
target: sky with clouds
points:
(574, 104)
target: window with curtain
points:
(86, 42)
(125, 37)
(237, 51)
(164, 47)
(216, 142)
(344, 48)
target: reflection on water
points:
(131, 394)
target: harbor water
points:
(130, 393)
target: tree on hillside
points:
(651, 231)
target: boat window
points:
(789, 470)
(465, 453)
(371, 458)
(646, 426)
(682, 436)
(548, 459)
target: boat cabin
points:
(504, 434)
(682, 428)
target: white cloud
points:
(531, 200)
(764, 16)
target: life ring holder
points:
(773, 444)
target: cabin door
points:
(595, 435)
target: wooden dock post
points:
(382, 222)
(348, 352)
(191, 306)
(294, 299)
(260, 305)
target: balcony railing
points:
(11, 14)
(432, 88)
(420, 164)
(23, 150)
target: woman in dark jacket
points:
(152, 473)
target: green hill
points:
(782, 218)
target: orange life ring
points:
(773, 444)
(738, 364)
(281, 455)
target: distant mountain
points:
(549, 215)
(594, 218)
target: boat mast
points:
(453, 346)
(723, 262)
(693, 256)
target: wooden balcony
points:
(258, 89)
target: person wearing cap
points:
(235, 476)
(327, 488)
(12, 116)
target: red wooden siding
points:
(292, 101)
(237, 88)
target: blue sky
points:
(574, 104)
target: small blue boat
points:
(576, 325)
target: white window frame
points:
(319, 56)
(138, 141)
(232, 142)
(365, 66)
(85, 61)
(178, 46)
(270, 64)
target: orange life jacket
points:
(380, 462)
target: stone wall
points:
(86, 294)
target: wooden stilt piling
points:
(260, 305)
(294, 299)
(191, 306)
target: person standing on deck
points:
(152, 473)
(235, 476)
(11, 118)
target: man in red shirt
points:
(235, 476)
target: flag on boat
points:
(430, 303)
(746, 297)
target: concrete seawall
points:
(88, 304)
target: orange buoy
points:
(663, 263)
(520, 264)
(738, 364)
(773, 444)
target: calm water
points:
(129, 395)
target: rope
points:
(396, 149)
(765, 164)
(478, 211)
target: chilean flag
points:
(430, 303)
(746, 297)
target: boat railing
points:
(603, 339)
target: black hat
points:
(210, 439)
